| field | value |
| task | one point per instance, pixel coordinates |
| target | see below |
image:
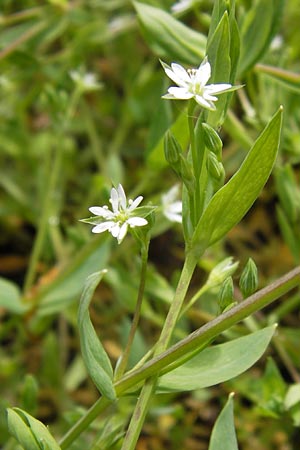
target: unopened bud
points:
(249, 279)
(186, 174)
(221, 272)
(214, 167)
(212, 141)
(225, 296)
(172, 150)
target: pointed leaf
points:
(93, 353)
(223, 435)
(20, 431)
(168, 37)
(219, 58)
(229, 205)
(218, 363)
(30, 432)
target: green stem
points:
(149, 387)
(124, 359)
(194, 202)
(187, 345)
(43, 224)
(84, 422)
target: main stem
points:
(149, 387)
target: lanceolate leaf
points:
(168, 37)
(29, 432)
(229, 205)
(223, 436)
(93, 353)
(218, 363)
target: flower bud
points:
(172, 150)
(214, 167)
(212, 141)
(186, 174)
(249, 279)
(221, 272)
(225, 296)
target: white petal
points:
(217, 88)
(202, 102)
(171, 195)
(203, 73)
(114, 199)
(176, 78)
(122, 232)
(115, 229)
(136, 222)
(122, 197)
(173, 217)
(101, 211)
(102, 227)
(181, 73)
(181, 93)
(175, 207)
(209, 97)
(135, 203)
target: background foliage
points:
(65, 138)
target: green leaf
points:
(93, 353)
(223, 50)
(10, 297)
(20, 431)
(218, 363)
(258, 30)
(219, 58)
(229, 205)
(223, 435)
(29, 432)
(169, 38)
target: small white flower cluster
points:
(192, 83)
(121, 216)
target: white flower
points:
(192, 84)
(85, 81)
(121, 216)
(172, 208)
